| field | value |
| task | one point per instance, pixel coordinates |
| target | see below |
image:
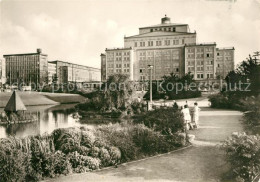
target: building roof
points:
(225, 48)
(15, 103)
(201, 44)
(118, 49)
(73, 64)
(25, 54)
(159, 33)
(164, 25)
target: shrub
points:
(67, 140)
(119, 136)
(115, 155)
(165, 120)
(243, 153)
(150, 142)
(12, 165)
(82, 163)
(79, 150)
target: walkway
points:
(202, 162)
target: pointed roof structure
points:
(15, 103)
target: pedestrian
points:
(175, 105)
(139, 99)
(187, 117)
(196, 114)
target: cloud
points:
(79, 31)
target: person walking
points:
(187, 117)
(196, 114)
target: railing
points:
(201, 43)
(225, 48)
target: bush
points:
(12, 165)
(165, 120)
(119, 136)
(81, 163)
(80, 150)
(150, 142)
(243, 154)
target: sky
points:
(79, 31)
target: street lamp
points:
(150, 67)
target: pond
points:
(49, 118)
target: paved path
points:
(202, 162)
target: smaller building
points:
(200, 61)
(115, 61)
(225, 61)
(2, 72)
(73, 73)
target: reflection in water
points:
(49, 119)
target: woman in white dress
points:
(187, 117)
(196, 114)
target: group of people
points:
(191, 117)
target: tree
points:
(248, 70)
(118, 92)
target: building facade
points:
(169, 48)
(69, 72)
(52, 73)
(27, 68)
(2, 72)
(225, 61)
(118, 60)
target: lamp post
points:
(150, 67)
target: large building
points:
(169, 48)
(35, 68)
(73, 73)
(27, 68)
(2, 72)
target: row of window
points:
(120, 65)
(159, 59)
(143, 70)
(159, 43)
(207, 49)
(208, 55)
(120, 59)
(169, 29)
(122, 53)
(201, 76)
(151, 53)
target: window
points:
(175, 42)
(158, 43)
(207, 55)
(167, 42)
(150, 43)
(173, 29)
(218, 54)
(142, 44)
(151, 30)
(177, 69)
(141, 71)
(183, 41)
(135, 44)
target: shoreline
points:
(42, 98)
